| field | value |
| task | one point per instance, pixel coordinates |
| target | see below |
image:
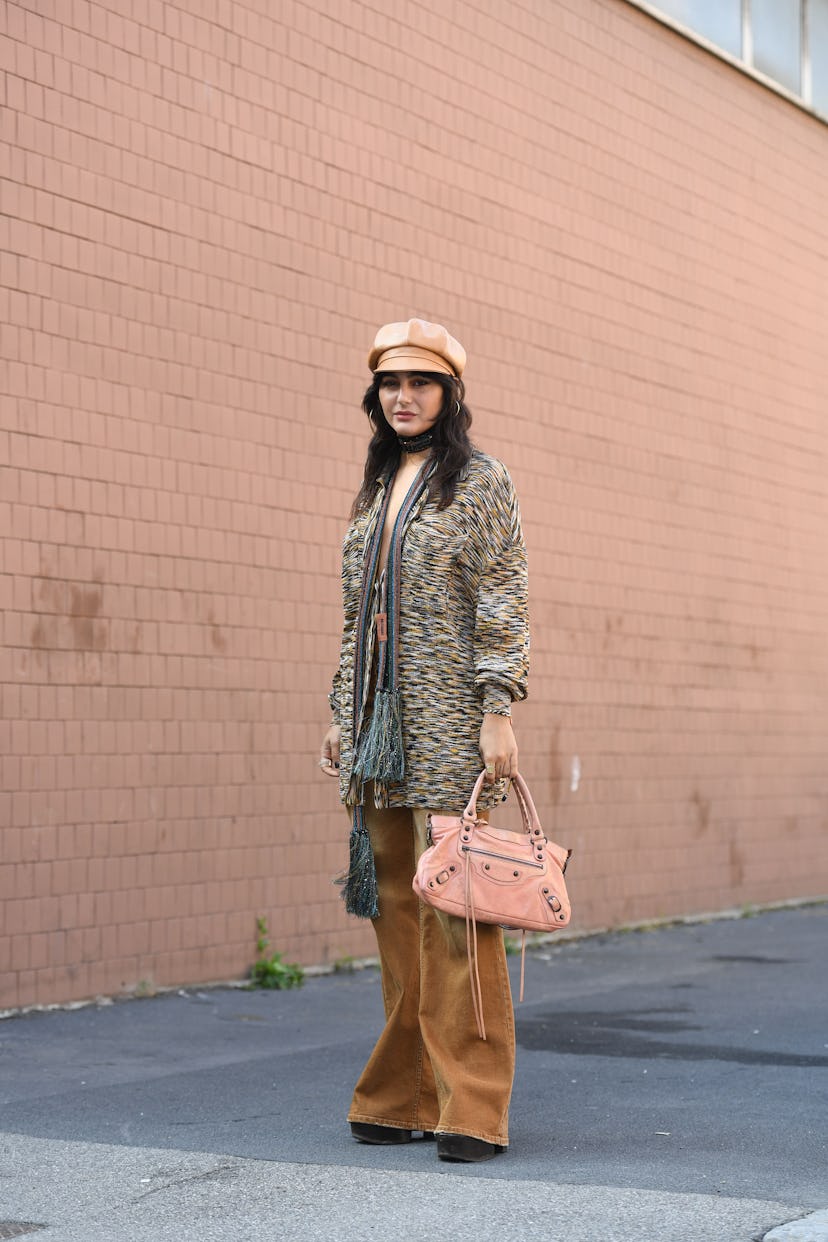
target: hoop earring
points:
(457, 407)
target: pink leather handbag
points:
(490, 875)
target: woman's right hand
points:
(329, 754)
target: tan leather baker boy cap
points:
(417, 346)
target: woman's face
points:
(410, 402)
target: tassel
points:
(359, 884)
(379, 754)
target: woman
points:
(434, 651)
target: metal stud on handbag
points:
(490, 875)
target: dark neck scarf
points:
(416, 444)
(378, 743)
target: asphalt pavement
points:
(671, 1085)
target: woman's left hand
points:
(498, 747)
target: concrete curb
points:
(811, 1228)
(533, 942)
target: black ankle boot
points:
(463, 1149)
(385, 1136)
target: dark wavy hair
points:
(451, 445)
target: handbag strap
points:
(532, 826)
(471, 952)
(528, 810)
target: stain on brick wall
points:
(206, 208)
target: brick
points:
(193, 257)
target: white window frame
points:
(801, 100)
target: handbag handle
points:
(527, 806)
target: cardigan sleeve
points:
(351, 576)
(501, 629)
(334, 699)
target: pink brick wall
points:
(207, 208)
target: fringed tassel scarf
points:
(378, 746)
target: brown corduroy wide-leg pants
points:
(429, 1069)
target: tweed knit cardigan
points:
(464, 633)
